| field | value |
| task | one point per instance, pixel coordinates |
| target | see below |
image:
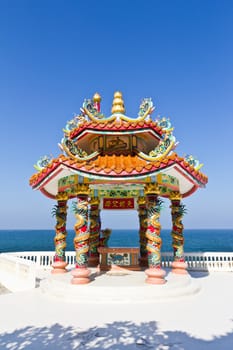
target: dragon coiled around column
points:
(142, 213)
(94, 230)
(81, 240)
(153, 233)
(60, 211)
(178, 211)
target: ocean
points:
(198, 240)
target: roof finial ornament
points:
(97, 99)
(118, 103)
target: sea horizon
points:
(121, 229)
(196, 240)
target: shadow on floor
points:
(198, 274)
(115, 336)
(4, 290)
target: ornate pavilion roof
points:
(117, 125)
(117, 149)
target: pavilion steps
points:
(127, 287)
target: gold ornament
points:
(94, 201)
(175, 196)
(141, 200)
(96, 98)
(62, 196)
(82, 189)
(118, 103)
(151, 189)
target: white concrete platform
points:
(32, 320)
(125, 287)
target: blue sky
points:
(53, 54)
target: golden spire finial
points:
(97, 97)
(118, 103)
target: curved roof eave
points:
(49, 184)
(133, 127)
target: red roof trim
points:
(123, 127)
(137, 167)
(54, 174)
(47, 194)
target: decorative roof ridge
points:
(116, 126)
(90, 111)
(165, 146)
(106, 163)
(187, 166)
(43, 170)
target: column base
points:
(155, 276)
(59, 267)
(179, 267)
(80, 276)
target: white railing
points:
(44, 259)
(208, 261)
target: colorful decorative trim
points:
(118, 166)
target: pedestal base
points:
(80, 276)
(59, 267)
(179, 267)
(119, 289)
(155, 276)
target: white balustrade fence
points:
(45, 259)
(208, 261)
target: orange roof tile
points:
(117, 165)
(111, 126)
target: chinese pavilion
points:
(118, 163)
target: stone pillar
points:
(95, 225)
(154, 205)
(81, 240)
(60, 211)
(142, 214)
(177, 211)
